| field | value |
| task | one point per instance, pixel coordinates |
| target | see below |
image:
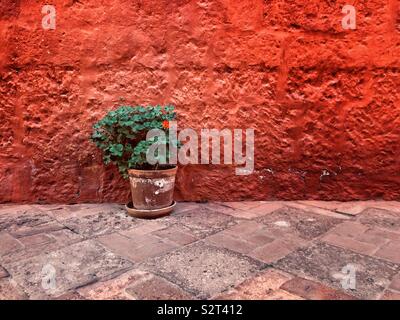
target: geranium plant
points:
(121, 135)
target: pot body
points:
(152, 189)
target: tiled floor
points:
(232, 250)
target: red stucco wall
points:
(324, 101)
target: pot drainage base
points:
(149, 214)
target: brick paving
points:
(299, 250)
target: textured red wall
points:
(324, 101)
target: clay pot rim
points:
(152, 173)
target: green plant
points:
(121, 135)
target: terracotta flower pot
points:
(152, 189)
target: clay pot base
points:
(149, 214)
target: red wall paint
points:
(321, 99)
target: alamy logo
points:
(49, 20)
(210, 139)
(349, 20)
(347, 277)
(348, 280)
(49, 278)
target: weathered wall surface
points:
(324, 101)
